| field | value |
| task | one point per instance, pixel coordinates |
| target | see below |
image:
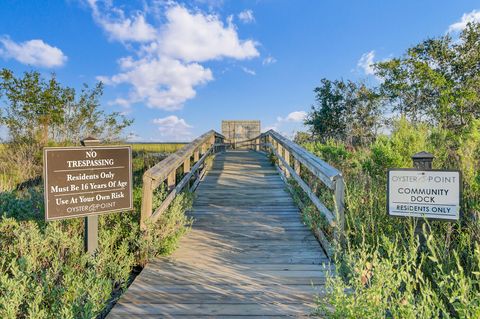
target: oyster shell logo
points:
(424, 194)
(422, 179)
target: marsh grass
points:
(44, 271)
(393, 267)
(157, 147)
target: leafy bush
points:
(392, 268)
(44, 271)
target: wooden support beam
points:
(340, 210)
(91, 234)
(147, 203)
(171, 180)
(287, 160)
(280, 155)
(212, 140)
(296, 166)
(186, 166)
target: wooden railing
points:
(191, 158)
(253, 144)
(291, 157)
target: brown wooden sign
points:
(83, 181)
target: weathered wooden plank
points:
(230, 288)
(252, 309)
(248, 253)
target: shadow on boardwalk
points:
(248, 253)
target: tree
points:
(327, 118)
(33, 105)
(364, 114)
(345, 111)
(302, 138)
(36, 110)
(436, 81)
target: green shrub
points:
(388, 270)
(44, 271)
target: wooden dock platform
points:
(247, 255)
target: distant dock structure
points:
(236, 131)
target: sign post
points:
(422, 192)
(85, 182)
(90, 239)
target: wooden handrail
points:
(166, 170)
(291, 157)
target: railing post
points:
(147, 204)
(296, 166)
(195, 156)
(212, 142)
(340, 210)
(287, 160)
(186, 166)
(280, 154)
(171, 180)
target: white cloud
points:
(248, 71)
(473, 16)
(173, 128)
(246, 16)
(366, 63)
(121, 28)
(297, 116)
(269, 60)
(166, 69)
(160, 82)
(198, 37)
(33, 52)
(289, 124)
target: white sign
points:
(429, 194)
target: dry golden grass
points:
(157, 147)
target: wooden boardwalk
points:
(247, 255)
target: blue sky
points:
(179, 67)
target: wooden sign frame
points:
(67, 152)
(426, 216)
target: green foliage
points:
(44, 271)
(437, 80)
(386, 271)
(345, 111)
(39, 110)
(433, 93)
(396, 150)
(39, 113)
(302, 138)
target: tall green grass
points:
(392, 267)
(44, 271)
